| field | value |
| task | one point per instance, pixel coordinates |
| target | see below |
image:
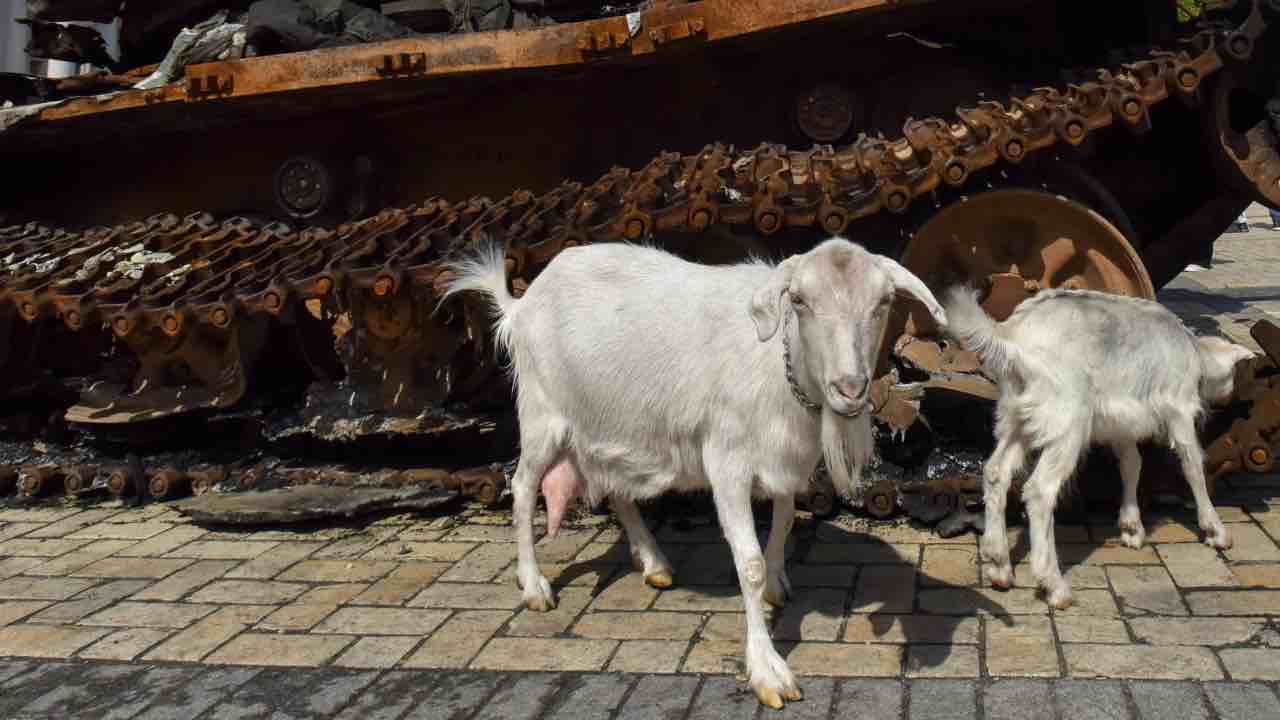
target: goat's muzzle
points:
(847, 395)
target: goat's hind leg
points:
(645, 552)
(1056, 464)
(1187, 445)
(539, 455)
(777, 587)
(997, 475)
(1132, 533)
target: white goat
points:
(643, 373)
(1077, 367)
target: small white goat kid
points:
(1077, 367)
(641, 373)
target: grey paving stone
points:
(1241, 701)
(39, 681)
(90, 692)
(136, 694)
(332, 691)
(1091, 700)
(12, 669)
(1162, 700)
(818, 696)
(942, 700)
(871, 699)
(589, 697)
(659, 697)
(389, 696)
(455, 696)
(1016, 699)
(523, 699)
(273, 693)
(723, 698)
(188, 701)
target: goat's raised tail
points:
(484, 271)
(976, 331)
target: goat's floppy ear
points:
(904, 279)
(766, 304)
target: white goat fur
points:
(1078, 367)
(647, 374)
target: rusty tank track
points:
(194, 299)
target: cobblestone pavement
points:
(155, 692)
(108, 611)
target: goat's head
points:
(840, 296)
(1218, 360)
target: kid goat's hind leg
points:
(1132, 533)
(1057, 462)
(997, 475)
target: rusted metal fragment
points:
(958, 522)
(932, 356)
(976, 386)
(820, 497)
(949, 482)
(895, 404)
(309, 502)
(1008, 290)
(1250, 443)
(485, 484)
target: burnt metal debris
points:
(164, 31)
(310, 502)
(196, 316)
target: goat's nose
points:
(851, 388)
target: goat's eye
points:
(797, 301)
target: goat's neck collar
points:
(796, 390)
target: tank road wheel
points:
(881, 499)
(305, 187)
(1016, 242)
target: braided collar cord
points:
(796, 390)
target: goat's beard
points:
(846, 447)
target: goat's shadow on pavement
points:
(828, 597)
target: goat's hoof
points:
(769, 697)
(538, 596)
(661, 579)
(1133, 539)
(793, 695)
(1221, 542)
(1060, 599)
(1000, 578)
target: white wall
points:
(13, 38)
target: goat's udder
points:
(560, 486)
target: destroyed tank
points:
(231, 279)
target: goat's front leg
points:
(777, 587)
(1187, 446)
(768, 673)
(1132, 533)
(645, 552)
